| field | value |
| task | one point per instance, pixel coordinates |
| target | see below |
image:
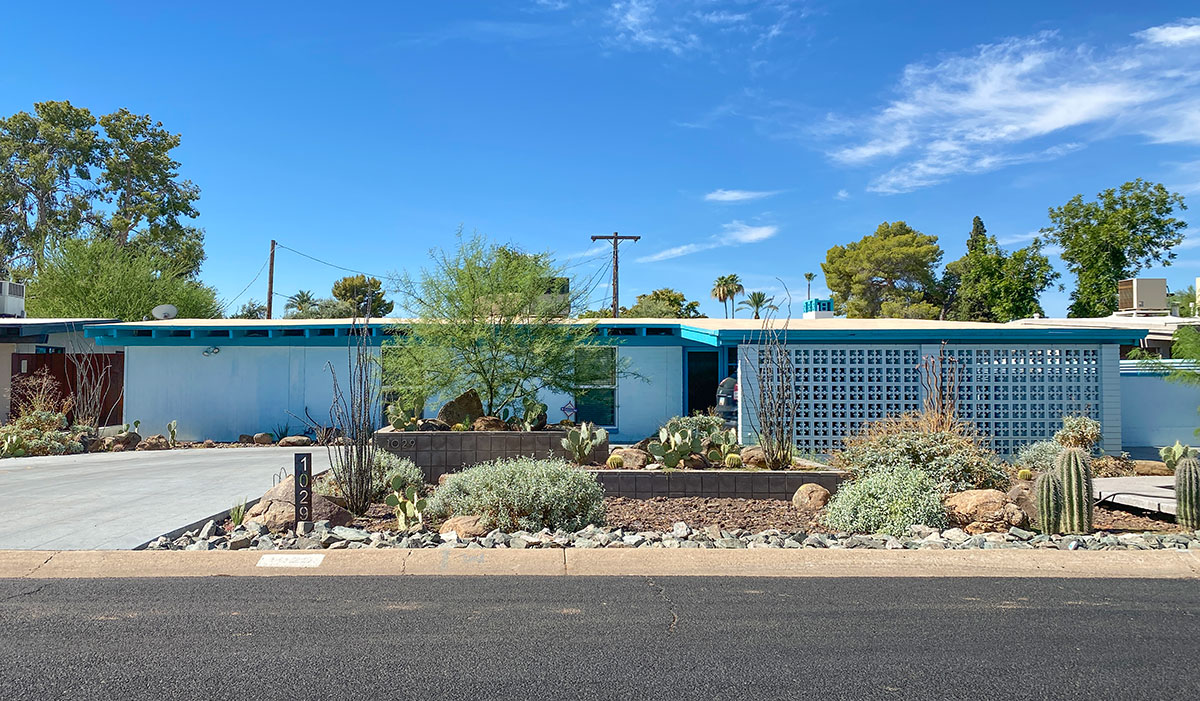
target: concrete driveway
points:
(121, 500)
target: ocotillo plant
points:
(1187, 493)
(1075, 472)
(1048, 492)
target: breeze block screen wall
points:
(1015, 394)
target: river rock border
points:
(320, 536)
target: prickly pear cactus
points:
(583, 440)
(1187, 493)
(410, 508)
(1048, 493)
(1075, 471)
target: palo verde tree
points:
(1114, 237)
(888, 273)
(99, 278)
(66, 174)
(492, 318)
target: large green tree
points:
(491, 318)
(363, 294)
(887, 273)
(989, 284)
(1114, 237)
(66, 174)
(100, 278)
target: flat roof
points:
(33, 330)
(634, 331)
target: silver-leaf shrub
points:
(521, 494)
(1038, 457)
(887, 501)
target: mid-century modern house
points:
(55, 345)
(225, 377)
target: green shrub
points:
(41, 433)
(1078, 432)
(887, 501)
(1038, 457)
(699, 424)
(388, 467)
(522, 494)
(955, 459)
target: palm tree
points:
(757, 302)
(302, 302)
(808, 277)
(725, 289)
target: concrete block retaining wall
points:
(728, 484)
(441, 452)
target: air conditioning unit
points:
(1142, 294)
(12, 299)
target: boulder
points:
(276, 511)
(1021, 494)
(644, 444)
(810, 497)
(156, 442)
(464, 526)
(695, 461)
(128, 440)
(489, 423)
(295, 442)
(753, 456)
(432, 425)
(208, 443)
(101, 445)
(263, 439)
(635, 458)
(984, 510)
(465, 407)
(246, 438)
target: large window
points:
(596, 401)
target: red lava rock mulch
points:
(660, 513)
(1133, 521)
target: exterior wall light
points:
(211, 350)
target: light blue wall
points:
(247, 389)
(242, 389)
(1155, 412)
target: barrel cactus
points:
(1187, 493)
(1075, 472)
(1048, 492)
(615, 462)
(733, 460)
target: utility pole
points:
(271, 280)
(616, 241)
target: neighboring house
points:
(28, 345)
(225, 377)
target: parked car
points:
(727, 401)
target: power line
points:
(225, 305)
(332, 265)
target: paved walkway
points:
(122, 500)
(1149, 493)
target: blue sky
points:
(741, 137)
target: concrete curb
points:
(572, 562)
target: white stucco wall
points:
(1155, 412)
(242, 389)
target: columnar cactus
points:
(1187, 493)
(1075, 471)
(1048, 492)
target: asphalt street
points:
(598, 638)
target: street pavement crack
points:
(31, 592)
(404, 562)
(662, 594)
(35, 569)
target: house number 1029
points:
(303, 487)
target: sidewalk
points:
(573, 562)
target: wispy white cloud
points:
(735, 233)
(722, 195)
(1013, 101)
(842, 195)
(1186, 31)
(1017, 238)
(688, 26)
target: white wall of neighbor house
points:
(1014, 393)
(1155, 412)
(241, 389)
